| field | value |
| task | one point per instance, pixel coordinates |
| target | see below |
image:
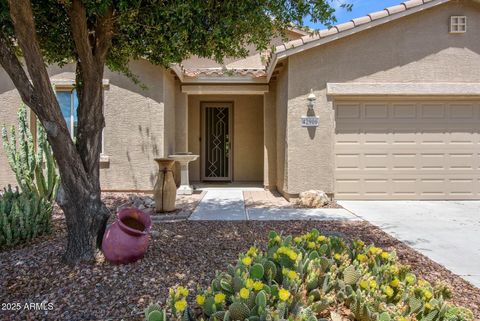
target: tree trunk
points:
(86, 221)
(79, 193)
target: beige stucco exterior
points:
(416, 48)
(399, 54)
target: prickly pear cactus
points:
(307, 277)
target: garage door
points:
(401, 149)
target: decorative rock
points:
(313, 199)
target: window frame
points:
(456, 22)
(60, 85)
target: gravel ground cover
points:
(181, 252)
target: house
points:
(386, 106)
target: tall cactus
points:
(34, 168)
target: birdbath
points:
(183, 159)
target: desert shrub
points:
(34, 166)
(305, 279)
(27, 213)
(23, 216)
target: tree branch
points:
(14, 69)
(104, 34)
(78, 21)
(45, 105)
(22, 17)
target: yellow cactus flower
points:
(321, 238)
(277, 239)
(311, 245)
(283, 294)
(364, 284)
(219, 298)
(362, 258)
(249, 283)
(428, 306)
(252, 251)
(297, 239)
(247, 260)
(410, 278)
(373, 284)
(337, 256)
(360, 243)
(200, 299)
(180, 305)
(388, 291)
(286, 251)
(395, 282)
(427, 295)
(292, 275)
(292, 255)
(375, 250)
(258, 285)
(181, 291)
(244, 293)
(385, 255)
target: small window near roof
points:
(458, 24)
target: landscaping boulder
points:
(313, 199)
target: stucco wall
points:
(247, 134)
(9, 103)
(135, 129)
(417, 48)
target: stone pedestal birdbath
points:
(165, 190)
(183, 159)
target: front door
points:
(217, 138)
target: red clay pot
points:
(126, 240)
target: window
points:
(68, 102)
(458, 24)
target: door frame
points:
(203, 106)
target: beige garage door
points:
(405, 149)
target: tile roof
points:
(320, 37)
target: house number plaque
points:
(310, 121)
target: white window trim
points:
(69, 85)
(454, 27)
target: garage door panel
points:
(408, 150)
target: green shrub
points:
(306, 278)
(34, 168)
(23, 216)
(27, 214)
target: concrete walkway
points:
(448, 232)
(228, 204)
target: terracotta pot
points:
(126, 239)
(165, 190)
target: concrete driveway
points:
(448, 232)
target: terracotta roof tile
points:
(361, 20)
(378, 14)
(294, 43)
(412, 3)
(396, 9)
(328, 32)
(345, 26)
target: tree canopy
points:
(165, 32)
(95, 34)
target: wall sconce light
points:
(311, 99)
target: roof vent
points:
(458, 24)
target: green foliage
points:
(23, 216)
(166, 32)
(34, 168)
(348, 276)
